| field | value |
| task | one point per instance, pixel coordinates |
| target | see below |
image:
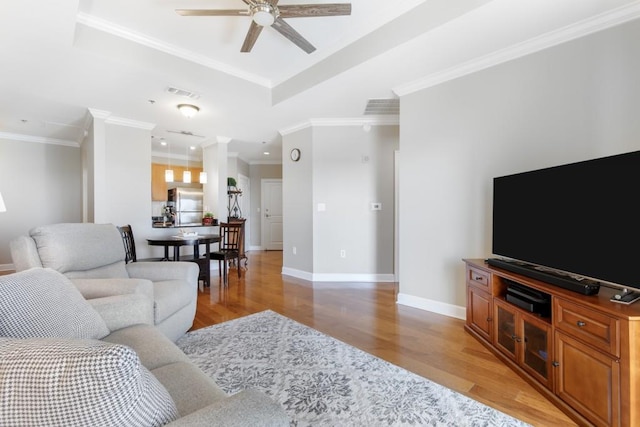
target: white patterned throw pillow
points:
(41, 302)
(70, 382)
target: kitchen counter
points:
(169, 225)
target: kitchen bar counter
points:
(169, 225)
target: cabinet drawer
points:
(479, 277)
(590, 326)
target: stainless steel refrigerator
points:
(187, 205)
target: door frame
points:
(263, 227)
(246, 207)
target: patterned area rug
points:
(321, 381)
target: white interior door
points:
(272, 214)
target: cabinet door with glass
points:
(524, 338)
(536, 348)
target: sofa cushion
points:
(41, 302)
(152, 347)
(64, 382)
(79, 247)
(189, 387)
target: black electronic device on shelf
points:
(529, 299)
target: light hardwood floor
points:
(366, 316)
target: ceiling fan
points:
(267, 13)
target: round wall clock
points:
(295, 154)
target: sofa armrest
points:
(157, 271)
(247, 408)
(24, 253)
(98, 288)
(120, 311)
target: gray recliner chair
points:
(93, 257)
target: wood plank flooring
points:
(366, 316)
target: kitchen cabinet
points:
(159, 186)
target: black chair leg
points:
(225, 274)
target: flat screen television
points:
(581, 220)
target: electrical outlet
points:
(343, 253)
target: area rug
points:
(321, 381)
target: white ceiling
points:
(59, 58)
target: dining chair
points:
(130, 245)
(231, 234)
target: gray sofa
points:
(93, 257)
(67, 361)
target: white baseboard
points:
(305, 275)
(433, 306)
(7, 267)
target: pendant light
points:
(168, 174)
(186, 175)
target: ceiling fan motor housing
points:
(264, 14)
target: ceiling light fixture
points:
(264, 14)
(188, 110)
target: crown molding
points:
(120, 121)
(358, 121)
(579, 29)
(153, 43)
(265, 162)
(38, 139)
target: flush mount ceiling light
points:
(264, 14)
(188, 110)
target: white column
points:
(214, 163)
(223, 172)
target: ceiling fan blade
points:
(312, 10)
(252, 36)
(287, 30)
(212, 12)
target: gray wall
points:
(576, 101)
(297, 202)
(346, 169)
(40, 184)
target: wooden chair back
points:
(230, 236)
(129, 243)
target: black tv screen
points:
(581, 218)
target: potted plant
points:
(231, 183)
(208, 218)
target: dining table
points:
(177, 241)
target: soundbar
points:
(584, 287)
